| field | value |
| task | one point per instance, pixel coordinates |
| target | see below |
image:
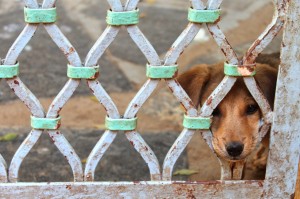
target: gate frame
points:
(284, 149)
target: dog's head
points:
(236, 120)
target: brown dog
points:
(236, 119)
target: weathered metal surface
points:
(148, 189)
(285, 135)
(280, 179)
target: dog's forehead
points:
(239, 92)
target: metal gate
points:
(285, 137)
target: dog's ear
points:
(266, 77)
(193, 81)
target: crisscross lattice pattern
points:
(157, 69)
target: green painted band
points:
(239, 70)
(203, 16)
(196, 122)
(83, 72)
(9, 71)
(45, 123)
(122, 18)
(120, 124)
(161, 72)
(40, 15)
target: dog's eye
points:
(216, 112)
(251, 109)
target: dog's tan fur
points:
(236, 118)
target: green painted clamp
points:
(161, 72)
(203, 16)
(45, 123)
(40, 15)
(9, 71)
(122, 18)
(239, 70)
(83, 72)
(120, 124)
(196, 122)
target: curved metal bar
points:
(258, 96)
(144, 45)
(67, 150)
(21, 153)
(101, 45)
(263, 131)
(61, 99)
(63, 44)
(115, 5)
(268, 34)
(97, 153)
(20, 43)
(207, 136)
(146, 152)
(222, 42)
(217, 96)
(31, 3)
(182, 97)
(174, 153)
(3, 170)
(131, 5)
(140, 98)
(214, 4)
(48, 3)
(196, 4)
(181, 43)
(104, 99)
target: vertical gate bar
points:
(283, 157)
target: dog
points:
(236, 120)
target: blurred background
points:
(43, 69)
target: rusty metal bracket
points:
(204, 16)
(161, 72)
(9, 71)
(41, 15)
(121, 124)
(196, 122)
(45, 123)
(83, 72)
(122, 18)
(239, 70)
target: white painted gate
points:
(282, 163)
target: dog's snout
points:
(234, 149)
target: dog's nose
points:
(234, 148)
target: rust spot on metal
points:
(69, 187)
(292, 196)
(131, 142)
(57, 133)
(175, 74)
(95, 76)
(146, 148)
(135, 105)
(16, 82)
(209, 101)
(91, 90)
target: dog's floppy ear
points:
(266, 77)
(193, 81)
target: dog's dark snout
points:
(234, 149)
